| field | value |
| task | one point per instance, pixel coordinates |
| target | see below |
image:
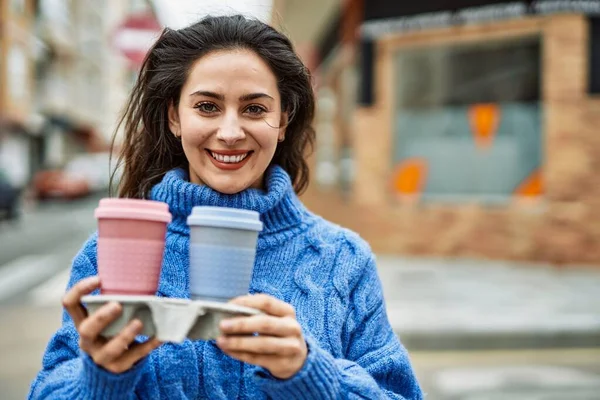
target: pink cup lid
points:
(133, 209)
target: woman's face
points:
(229, 119)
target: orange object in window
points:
(484, 120)
(532, 186)
(410, 177)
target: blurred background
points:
(459, 137)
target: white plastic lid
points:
(223, 217)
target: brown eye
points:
(207, 108)
(255, 110)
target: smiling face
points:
(229, 119)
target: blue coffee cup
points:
(222, 252)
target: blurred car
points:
(9, 198)
(85, 174)
(50, 184)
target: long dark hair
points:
(149, 150)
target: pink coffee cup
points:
(131, 243)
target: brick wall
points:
(563, 227)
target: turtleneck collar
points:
(279, 208)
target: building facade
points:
(468, 132)
(63, 82)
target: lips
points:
(229, 159)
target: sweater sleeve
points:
(376, 365)
(68, 373)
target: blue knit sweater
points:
(327, 273)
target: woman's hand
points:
(116, 355)
(279, 346)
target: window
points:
(17, 7)
(17, 77)
(139, 6)
(347, 82)
(91, 35)
(468, 122)
(56, 12)
(594, 55)
(326, 168)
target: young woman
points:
(221, 115)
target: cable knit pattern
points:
(326, 272)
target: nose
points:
(230, 131)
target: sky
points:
(179, 13)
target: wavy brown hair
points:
(149, 150)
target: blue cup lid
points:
(223, 217)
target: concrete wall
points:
(563, 227)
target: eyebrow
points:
(254, 96)
(246, 97)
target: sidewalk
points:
(45, 226)
(439, 304)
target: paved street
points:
(471, 304)
(475, 330)
(550, 374)
(35, 256)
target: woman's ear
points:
(174, 124)
(282, 126)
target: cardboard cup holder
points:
(168, 319)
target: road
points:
(33, 277)
(549, 374)
(35, 257)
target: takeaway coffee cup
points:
(222, 251)
(131, 242)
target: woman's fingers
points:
(122, 352)
(118, 354)
(280, 346)
(119, 345)
(267, 304)
(72, 299)
(267, 345)
(90, 328)
(261, 324)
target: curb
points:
(441, 341)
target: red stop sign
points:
(134, 37)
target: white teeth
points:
(228, 159)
